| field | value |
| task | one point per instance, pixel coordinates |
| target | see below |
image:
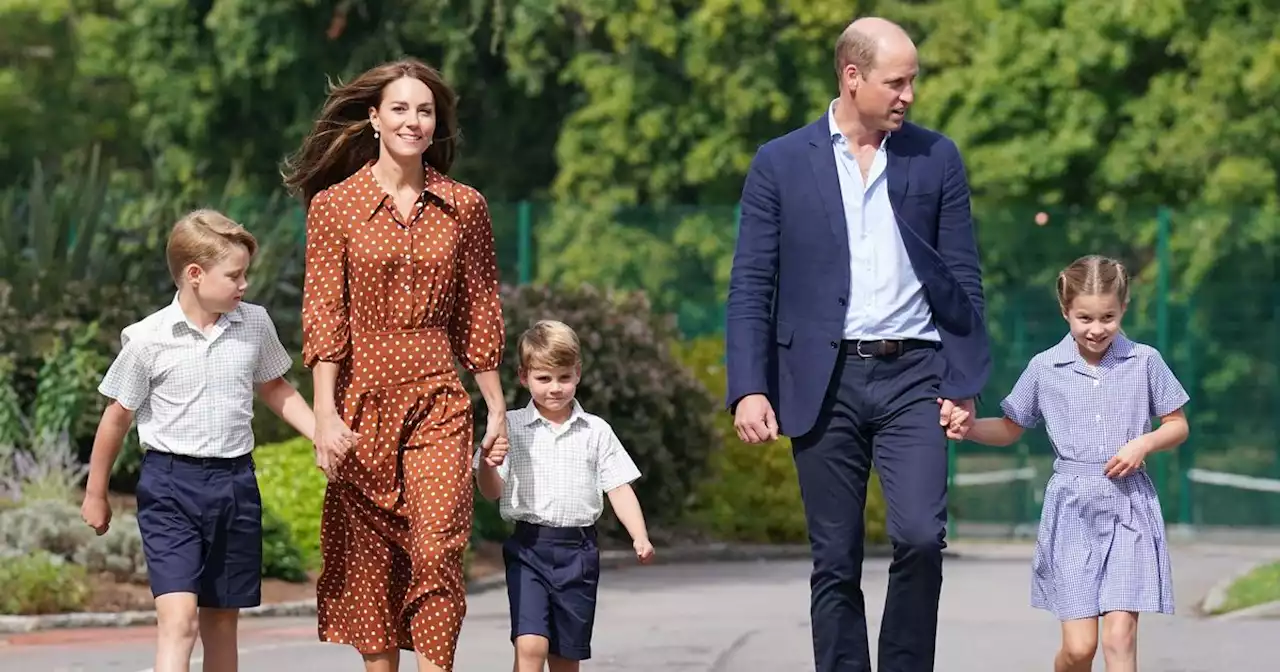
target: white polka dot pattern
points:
(394, 300)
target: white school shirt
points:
(193, 393)
(557, 476)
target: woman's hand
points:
(497, 428)
(333, 441)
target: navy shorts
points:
(552, 576)
(201, 524)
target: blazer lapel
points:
(897, 171)
(822, 160)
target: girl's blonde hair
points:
(1093, 275)
(204, 238)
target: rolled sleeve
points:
(1022, 406)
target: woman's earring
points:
(375, 135)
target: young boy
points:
(187, 373)
(559, 461)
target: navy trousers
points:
(881, 410)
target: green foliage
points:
(55, 527)
(752, 493)
(293, 493)
(281, 556)
(1259, 585)
(41, 583)
(662, 414)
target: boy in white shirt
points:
(188, 373)
(550, 479)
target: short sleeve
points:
(128, 380)
(615, 467)
(1166, 394)
(476, 329)
(326, 332)
(273, 360)
(1022, 406)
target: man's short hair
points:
(855, 48)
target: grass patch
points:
(1259, 586)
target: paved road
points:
(743, 617)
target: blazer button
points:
(834, 345)
(841, 300)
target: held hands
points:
(333, 441)
(957, 417)
(1129, 459)
(496, 453)
(644, 550)
(494, 444)
(754, 419)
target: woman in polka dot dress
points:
(401, 278)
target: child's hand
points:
(96, 513)
(497, 453)
(1129, 459)
(644, 551)
(956, 428)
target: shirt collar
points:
(364, 190)
(837, 136)
(172, 316)
(1067, 352)
(534, 416)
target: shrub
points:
(55, 527)
(293, 491)
(281, 557)
(660, 412)
(752, 493)
(41, 583)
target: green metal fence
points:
(1206, 294)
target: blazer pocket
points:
(785, 332)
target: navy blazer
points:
(790, 279)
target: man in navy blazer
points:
(855, 310)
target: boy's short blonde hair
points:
(205, 237)
(549, 344)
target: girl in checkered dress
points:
(1101, 548)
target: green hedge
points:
(752, 494)
(293, 493)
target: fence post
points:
(524, 237)
(1187, 451)
(1161, 461)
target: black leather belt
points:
(880, 349)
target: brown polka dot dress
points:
(394, 299)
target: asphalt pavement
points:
(743, 617)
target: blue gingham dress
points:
(1101, 544)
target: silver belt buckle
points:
(857, 349)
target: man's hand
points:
(754, 419)
(957, 417)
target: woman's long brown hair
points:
(341, 141)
